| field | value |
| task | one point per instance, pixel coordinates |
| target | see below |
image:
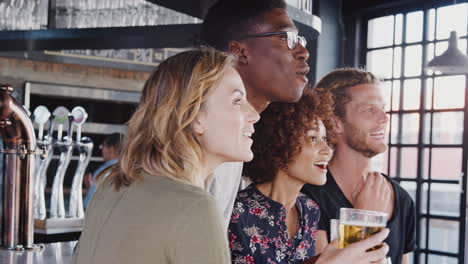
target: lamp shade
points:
(452, 61)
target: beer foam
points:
(362, 223)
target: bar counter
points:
(53, 253)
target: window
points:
(427, 116)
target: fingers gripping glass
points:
(292, 38)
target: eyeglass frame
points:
(289, 37)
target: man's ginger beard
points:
(355, 138)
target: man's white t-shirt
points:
(225, 185)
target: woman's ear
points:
(238, 49)
(198, 125)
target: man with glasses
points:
(271, 61)
(291, 37)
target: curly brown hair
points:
(282, 130)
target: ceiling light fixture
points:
(452, 61)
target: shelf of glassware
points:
(66, 24)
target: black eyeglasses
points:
(292, 38)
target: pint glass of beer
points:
(356, 225)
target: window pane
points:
(422, 242)
(426, 163)
(427, 129)
(398, 29)
(379, 162)
(429, 87)
(394, 129)
(436, 259)
(447, 128)
(387, 94)
(410, 128)
(380, 32)
(443, 236)
(414, 26)
(393, 162)
(397, 62)
(396, 95)
(413, 60)
(412, 94)
(431, 29)
(449, 92)
(446, 163)
(379, 62)
(445, 199)
(424, 191)
(453, 17)
(409, 162)
(430, 54)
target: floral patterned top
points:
(257, 232)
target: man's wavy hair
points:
(160, 138)
(282, 130)
(338, 82)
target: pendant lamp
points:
(452, 61)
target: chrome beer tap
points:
(85, 148)
(41, 117)
(19, 151)
(61, 116)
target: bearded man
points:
(361, 123)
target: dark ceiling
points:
(372, 6)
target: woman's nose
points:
(252, 114)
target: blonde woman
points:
(193, 116)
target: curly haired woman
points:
(272, 222)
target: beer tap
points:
(41, 116)
(19, 153)
(61, 116)
(85, 147)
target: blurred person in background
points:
(110, 148)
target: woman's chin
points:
(318, 181)
(244, 157)
(248, 157)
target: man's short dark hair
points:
(113, 140)
(227, 20)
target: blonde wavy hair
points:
(160, 138)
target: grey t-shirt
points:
(157, 220)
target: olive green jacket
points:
(157, 220)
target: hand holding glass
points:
(356, 225)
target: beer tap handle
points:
(50, 129)
(57, 208)
(41, 115)
(70, 129)
(76, 196)
(79, 117)
(85, 146)
(78, 133)
(60, 117)
(59, 132)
